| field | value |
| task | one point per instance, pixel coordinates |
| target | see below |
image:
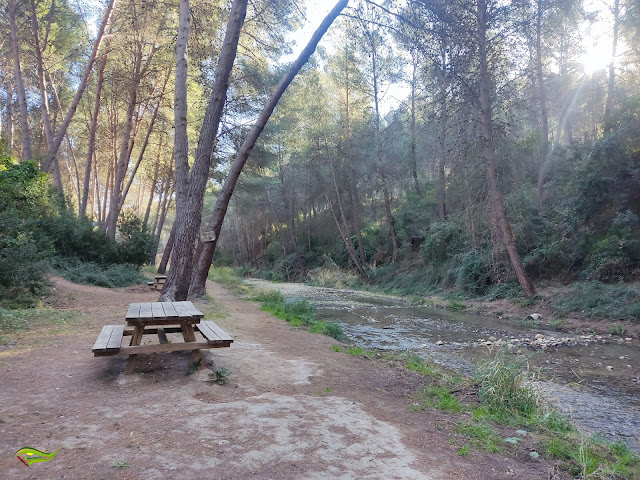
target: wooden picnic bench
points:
(158, 282)
(160, 318)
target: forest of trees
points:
(425, 144)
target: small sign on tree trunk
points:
(208, 237)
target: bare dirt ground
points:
(292, 408)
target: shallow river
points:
(594, 380)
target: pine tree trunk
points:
(62, 130)
(611, 83)
(190, 186)
(545, 159)
(92, 135)
(222, 204)
(19, 83)
(502, 236)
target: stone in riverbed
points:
(439, 342)
(609, 367)
(535, 316)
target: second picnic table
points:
(160, 318)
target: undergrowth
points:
(297, 312)
(504, 403)
(229, 277)
(599, 300)
(17, 321)
(102, 275)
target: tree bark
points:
(190, 187)
(92, 135)
(162, 268)
(502, 236)
(442, 140)
(222, 204)
(381, 174)
(9, 125)
(19, 84)
(545, 158)
(62, 130)
(413, 159)
(611, 83)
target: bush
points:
(89, 273)
(598, 300)
(503, 391)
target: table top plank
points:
(193, 311)
(145, 311)
(157, 311)
(169, 310)
(115, 340)
(181, 309)
(134, 311)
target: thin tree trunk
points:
(9, 127)
(381, 174)
(190, 187)
(44, 102)
(501, 230)
(414, 163)
(152, 193)
(166, 254)
(19, 83)
(442, 140)
(123, 157)
(222, 204)
(608, 108)
(92, 134)
(62, 130)
(545, 158)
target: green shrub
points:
(503, 391)
(89, 273)
(598, 300)
(443, 240)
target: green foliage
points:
(417, 364)
(440, 397)
(102, 275)
(443, 241)
(503, 391)
(598, 300)
(297, 313)
(19, 320)
(136, 242)
(482, 436)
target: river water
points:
(595, 380)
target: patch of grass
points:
(121, 464)
(228, 277)
(297, 312)
(598, 300)
(481, 435)
(336, 348)
(503, 391)
(417, 364)
(463, 451)
(16, 321)
(559, 323)
(222, 375)
(90, 273)
(440, 397)
(617, 329)
(456, 306)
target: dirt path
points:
(292, 409)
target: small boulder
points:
(535, 316)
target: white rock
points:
(609, 367)
(535, 316)
(439, 342)
(539, 336)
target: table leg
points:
(136, 338)
(190, 336)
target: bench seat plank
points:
(115, 340)
(213, 332)
(103, 338)
(159, 348)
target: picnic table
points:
(160, 318)
(158, 282)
